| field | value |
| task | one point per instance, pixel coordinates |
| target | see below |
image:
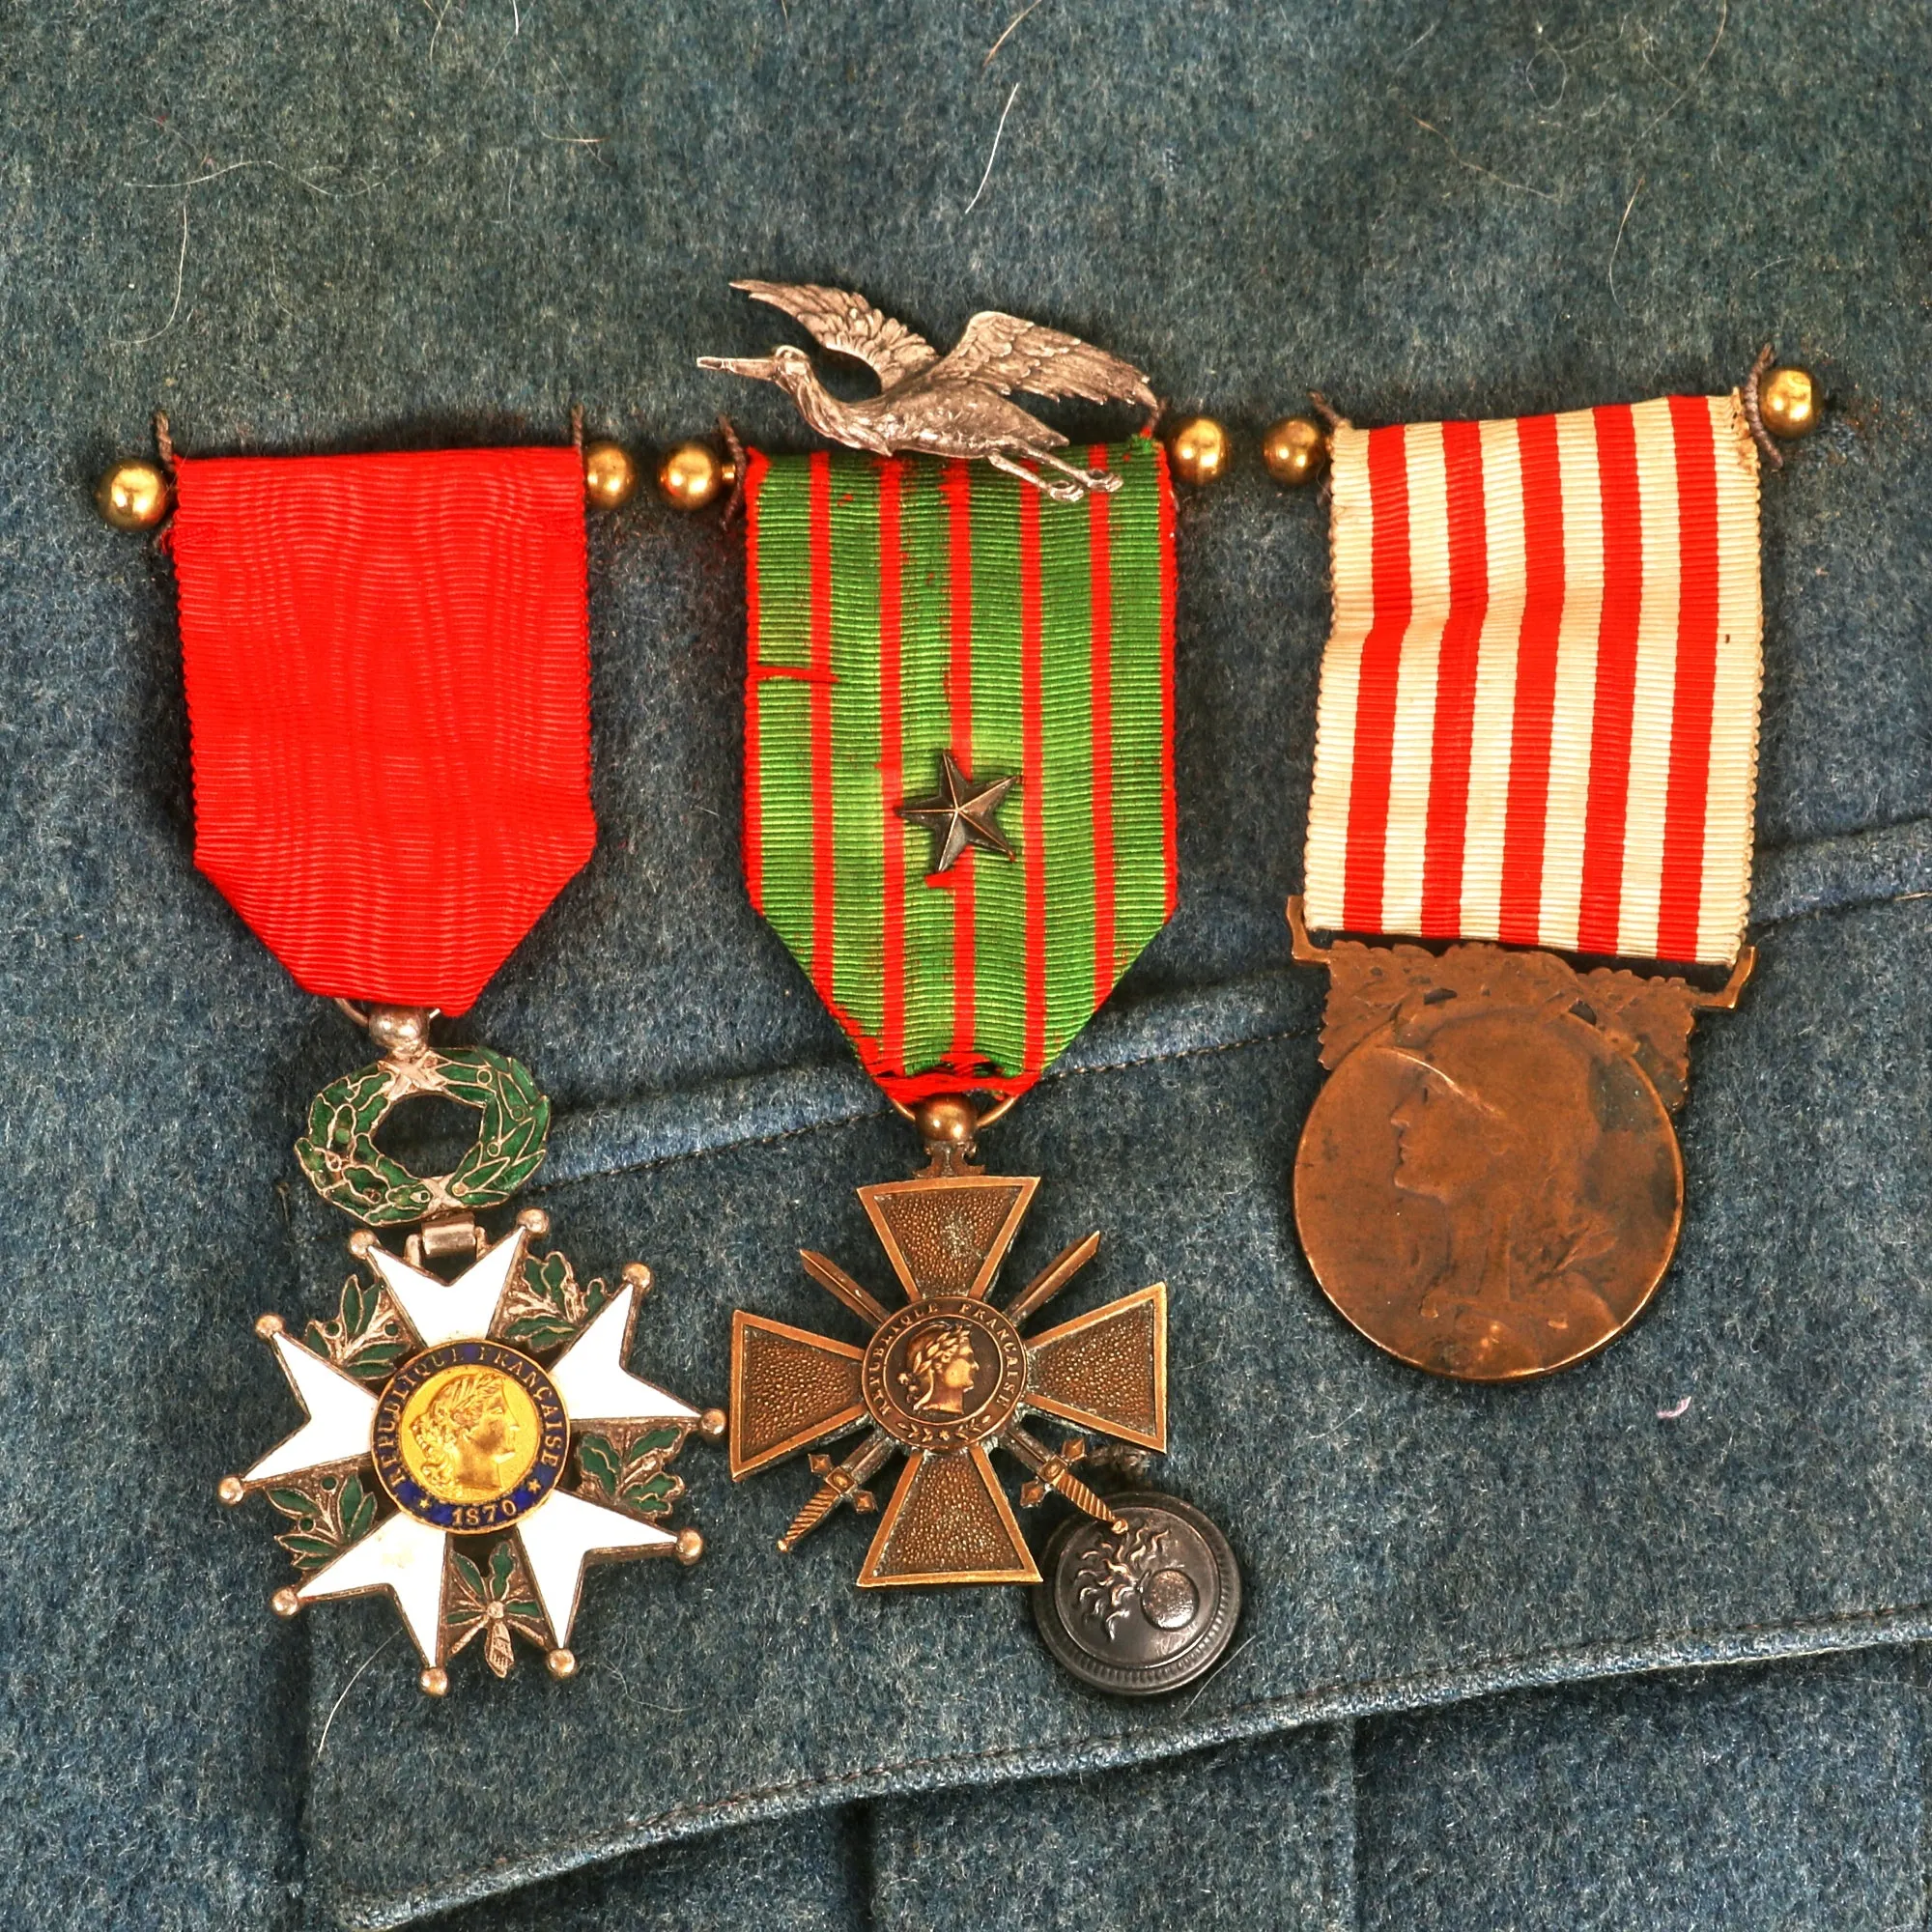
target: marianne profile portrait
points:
(471, 1434)
(940, 1370)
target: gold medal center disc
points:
(1492, 1196)
(469, 1433)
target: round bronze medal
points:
(1140, 1610)
(1491, 1195)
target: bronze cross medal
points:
(947, 1377)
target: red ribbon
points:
(386, 662)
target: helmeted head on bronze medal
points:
(1491, 1172)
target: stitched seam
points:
(711, 1147)
(1314, 1693)
(1125, 1063)
(1190, 1052)
(1312, 1696)
(1848, 837)
(1339, 1801)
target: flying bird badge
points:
(958, 405)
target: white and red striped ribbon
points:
(1538, 720)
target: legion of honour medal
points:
(959, 818)
(1537, 746)
(385, 661)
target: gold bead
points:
(690, 1546)
(638, 1276)
(534, 1221)
(609, 476)
(269, 1326)
(562, 1665)
(134, 495)
(712, 1424)
(285, 1603)
(1200, 449)
(230, 1489)
(693, 475)
(434, 1681)
(945, 1120)
(1296, 450)
(1789, 402)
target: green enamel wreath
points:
(340, 1157)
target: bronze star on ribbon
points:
(960, 815)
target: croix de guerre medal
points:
(959, 817)
(1537, 738)
(387, 687)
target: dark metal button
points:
(1140, 1610)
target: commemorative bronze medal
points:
(959, 817)
(1536, 751)
(386, 664)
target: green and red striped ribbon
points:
(904, 606)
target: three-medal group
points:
(1530, 825)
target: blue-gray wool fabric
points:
(1639, 1644)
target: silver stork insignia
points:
(912, 614)
(956, 405)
